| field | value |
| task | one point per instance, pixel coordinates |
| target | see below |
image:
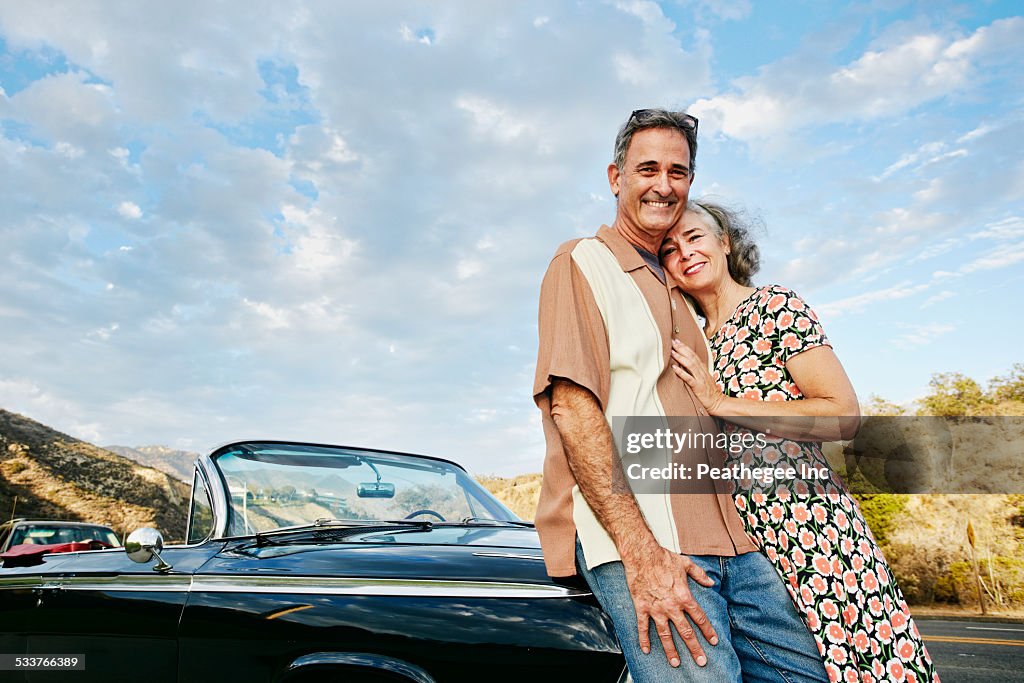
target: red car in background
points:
(25, 541)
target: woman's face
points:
(694, 255)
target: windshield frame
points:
(224, 509)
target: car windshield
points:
(53, 534)
(271, 486)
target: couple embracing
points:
(656, 316)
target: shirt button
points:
(676, 329)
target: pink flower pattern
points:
(815, 535)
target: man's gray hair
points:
(656, 118)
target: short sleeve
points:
(797, 325)
(573, 339)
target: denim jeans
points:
(760, 635)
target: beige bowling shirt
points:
(607, 323)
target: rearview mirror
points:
(376, 489)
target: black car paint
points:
(221, 612)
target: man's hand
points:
(659, 586)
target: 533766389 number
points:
(42, 662)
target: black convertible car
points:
(310, 563)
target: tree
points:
(1009, 387)
(953, 394)
(878, 406)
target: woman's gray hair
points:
(656, 118)
(744, 257)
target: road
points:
(975, 651)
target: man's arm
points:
(657, 577)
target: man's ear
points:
(613, 179)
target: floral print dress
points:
(812, 530)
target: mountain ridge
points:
(177, 463)
(47, 474)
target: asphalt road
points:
(975, 651)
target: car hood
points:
(456, 553)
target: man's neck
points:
(650, 243)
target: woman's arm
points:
(827, 412)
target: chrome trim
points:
(297, 585)
(410, 672)
(16, 582)
(142, 583)
(220, 501)
(432, 588)
(514, 556)
(197, 473)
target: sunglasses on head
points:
(641, 114)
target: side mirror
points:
(376, 489)
(145, 543)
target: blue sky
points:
(328, 221)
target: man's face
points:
(654, 182)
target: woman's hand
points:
(689, 368)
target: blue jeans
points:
(760, 635)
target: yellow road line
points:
(976, 641)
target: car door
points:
(120, 615)
(21, 590)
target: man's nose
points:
(662, 186)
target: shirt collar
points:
(626, 254)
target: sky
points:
(328, 221)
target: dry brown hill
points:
(55, 476)
(520, 493)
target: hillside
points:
(178, 464)
(55, 476)
(519, 494)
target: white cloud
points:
(859, 302)
(729, 10)
(104, 333)
(468, 268)
(975, 133)
(68, 111)
(1000, 258)
(798, 92)
(941, 296)
(495, 121)
(319, 245)
(273, 318)
(129, 210)
(1010, 228)
(68, 150)
(920, 335)
(937, 249)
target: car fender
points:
(354, 662)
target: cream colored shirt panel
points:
(637, 361)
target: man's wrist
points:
(639, 548)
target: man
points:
(608, 315)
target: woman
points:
(774, 371)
